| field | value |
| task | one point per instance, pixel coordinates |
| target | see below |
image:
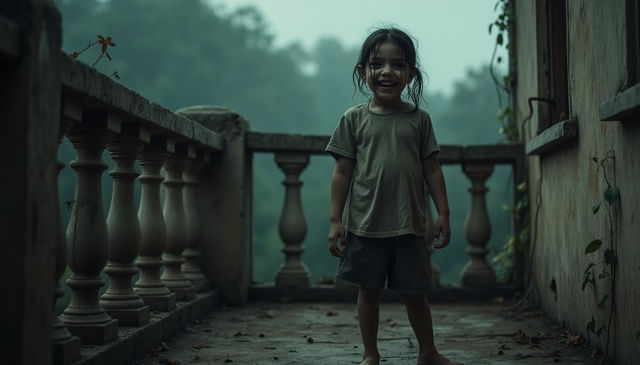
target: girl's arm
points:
(434, 178)
(339, 187)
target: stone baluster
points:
(175, 219)
(66, 348)
(87, 232)
(477, 272)
(191, 268)
(120, 301)
(153, 231)
(293, 225)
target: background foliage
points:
(182, 53)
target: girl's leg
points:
(368, 317)
(419, 315)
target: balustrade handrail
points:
(97, 91)
(450, 154)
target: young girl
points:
(385, 151)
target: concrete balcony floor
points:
(326, 333)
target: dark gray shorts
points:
(401, 262)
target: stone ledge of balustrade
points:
(97, 91)
(449, 154)
(134, 342)
(349, 294)
(9, 39)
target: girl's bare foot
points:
(370, 361)
(435, 359)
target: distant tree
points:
(180, 53)
(470, 114)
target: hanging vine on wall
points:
(505, 258)
(611, 201)
(501, 26)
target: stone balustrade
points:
(159, 239)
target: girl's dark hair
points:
(402, 39)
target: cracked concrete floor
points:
(314, 333)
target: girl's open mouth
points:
(386, 83)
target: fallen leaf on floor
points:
(556, 353)
(521, 337)
(200, 346)
(537, 314)
(572, 339)
(228, 360)
(331, 314)
(309, 340)
(167, 361)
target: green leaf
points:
(522, 187)
(593, 246)
(499, 39)
(603, 302)
(591, 326)
(499, 59)
(594, 159)
(599, 331)
(609, 256)
(611, 194)
(490, 26)
(596, 208)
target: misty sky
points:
(452, 34)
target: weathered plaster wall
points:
(571, 183)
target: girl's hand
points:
(336, 232)
(442, 228)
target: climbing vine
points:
(501, 27)
(505, 258)
(607, 267)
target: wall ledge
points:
(623, 106)
(559, 134)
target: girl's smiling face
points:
(387, 74)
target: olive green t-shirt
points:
(387, 194)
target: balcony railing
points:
(291, 154)
(159, 239)
(192, 229)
